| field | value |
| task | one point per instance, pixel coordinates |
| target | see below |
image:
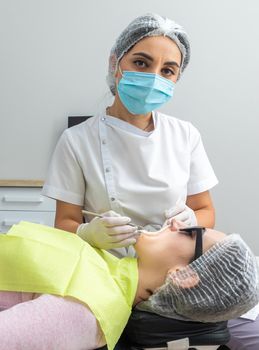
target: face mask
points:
(142, 93)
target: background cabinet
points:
(25, 204)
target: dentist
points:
(118, 162)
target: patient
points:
(55, 286)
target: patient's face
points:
(171, 247)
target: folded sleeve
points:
(65, 180)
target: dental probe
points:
(155, 233)
(87, 212)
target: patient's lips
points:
(154, 233)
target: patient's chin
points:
(138, 243)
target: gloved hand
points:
(181, 212)
(110, 231)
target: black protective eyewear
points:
(198, 231)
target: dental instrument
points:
(87, 212)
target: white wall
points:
(53, 63)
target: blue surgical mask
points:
(142, 93)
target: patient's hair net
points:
(141, 27)
(225, 285)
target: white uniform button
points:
(107, 170)
(112, 199)
(104, 142)
(103, 119)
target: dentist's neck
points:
(141, 121)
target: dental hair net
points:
(141, 27)
(220, 285)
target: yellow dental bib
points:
(41, 259)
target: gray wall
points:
(53, 63)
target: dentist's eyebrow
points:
(145, 55)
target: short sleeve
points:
(65, 180)
(202, 177)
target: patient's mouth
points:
(154, 233)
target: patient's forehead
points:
(211, 237)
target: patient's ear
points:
(184, 277)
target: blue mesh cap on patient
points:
(141, 27)
(224, 284)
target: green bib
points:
(41, 259)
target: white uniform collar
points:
(128, 127)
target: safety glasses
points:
(198, 231)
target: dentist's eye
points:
(140, 63)
(168, 72)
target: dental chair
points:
(148, 331)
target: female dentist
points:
(132, 162)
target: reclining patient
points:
(57, 292)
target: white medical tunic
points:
(106, 164)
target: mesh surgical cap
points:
(141, 27)
(225, 285)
